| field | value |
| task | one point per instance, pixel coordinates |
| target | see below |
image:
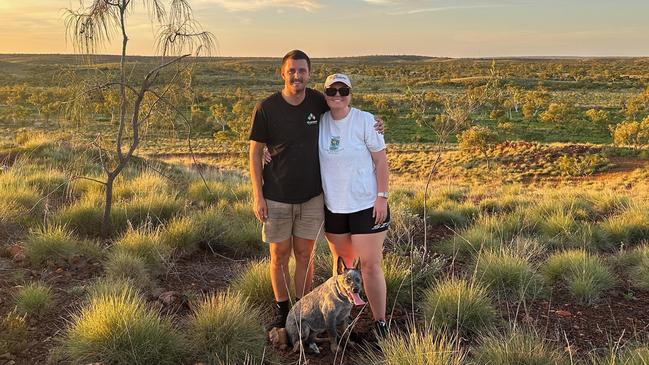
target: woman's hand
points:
(260, 208)
(380, 211)
(267, 158)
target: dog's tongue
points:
(357, 299)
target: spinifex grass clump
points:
(458, 305)
(118, 328)
(85, 216)
(254, 282)
(56, 242)
(635, 355)
(405, 276)
(145, 244)
(229, 189)
(153, 209)
(628, 227)
(182, 234)
(508, 273)
(143, 184)
(488, 232)
(586, 276)
(226, 327)
(416, 348)
(518, 346)
(34, 299)
(232, 229)
(635, 263)
(13, 332)
(126, 266)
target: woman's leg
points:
(369, 247)
(340, 245)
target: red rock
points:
(15, 250)
(18, 258)
(564, 314)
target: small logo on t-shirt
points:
(311, 119)
(334, 144)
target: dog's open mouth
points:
(355, 298)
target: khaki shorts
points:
(303, 220)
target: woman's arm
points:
(380, 160)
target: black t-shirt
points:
(291, 135)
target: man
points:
(287, 192)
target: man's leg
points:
(280, 252)
(303, 251)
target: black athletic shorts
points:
(360, 222)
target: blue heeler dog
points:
(324, 308)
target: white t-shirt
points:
(346, 166)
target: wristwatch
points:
(382, 194)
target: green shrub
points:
(635, 263)
(226, 327)
(125, 266)
(49, 182)
(182, 234)
(120, 329)
(458, 305)
(254, 282)
(231, 229)
(228, 190)
(145, 244)
(508, 274)
(154, 209)
(415, 348)
(520, 347)
(12, 219)
(146, 183)
(629, 227)
(34, 299)
(585, 276)
(404, 277)
(56, 242)
(85, 217)
(13, 332)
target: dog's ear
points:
(357, 264)
(340, 266)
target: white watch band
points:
(382, 194)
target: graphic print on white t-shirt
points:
(346, 166)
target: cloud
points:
(446, 8)
(254, 5)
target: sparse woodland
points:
(519, 196)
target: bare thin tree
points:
(96, 23)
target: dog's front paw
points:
(314, 348)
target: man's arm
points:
(256, 173)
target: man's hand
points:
(261, 209)
(379, 126)
(266, 158)
(380, 211)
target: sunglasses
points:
(332, 91)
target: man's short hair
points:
(296, 54)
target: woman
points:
(354, 172)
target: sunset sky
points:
(460, 28)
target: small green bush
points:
(120, 329)
(56, 242)
(182, 234)
(227, 190)
(518, 346)
(586, 276)
(126, 266)
(628, 227)
(458, 305)
(146, 183)
(404, 277)
(154, 209)
(416, 348)
(13, 332)
(254, 282)
(508, 274)
(34, 299)
(145, 244)
(232, 229)
(226, 327)
(85, 217)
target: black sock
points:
(283, 308)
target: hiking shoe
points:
(381, 329)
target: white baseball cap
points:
(332, 79)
